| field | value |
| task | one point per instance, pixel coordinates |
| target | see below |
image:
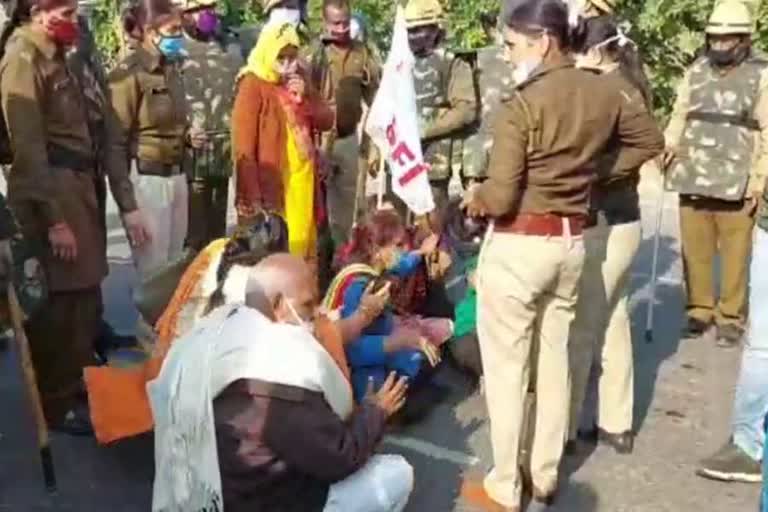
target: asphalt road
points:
(684, 399)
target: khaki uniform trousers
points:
(709, 226)
(342, 186)
(61, 337)
(527, 292)
(601, 336)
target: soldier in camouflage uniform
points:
(717, 160)
(209, 73)
(445, 92)
(494, 84)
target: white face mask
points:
(285, 15)
(523, 70)
(304, 324)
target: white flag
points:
(394, 126)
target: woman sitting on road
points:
(376, 254)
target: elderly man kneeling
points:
(252, 414)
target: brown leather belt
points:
(541, 224)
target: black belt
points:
(743, 120)
(149, 168)
(66, 158)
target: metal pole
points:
(655, 265)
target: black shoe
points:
(731, 464)
(541, 502)
(695, 328)
(729, 335)
(623, 443)
(75, 423)
(590, 436)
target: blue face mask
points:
(172, 47)
(405, 264)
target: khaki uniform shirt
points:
(351, 75)
(548, 135)
(46, 115)
(148, 100)
(677, 123)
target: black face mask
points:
(424, 41)
(727, 58)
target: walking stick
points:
(655, 261)
(28, 370)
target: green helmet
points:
(419, 13)
(730, 17)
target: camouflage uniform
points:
(495, 83)
(209, 76)
(446, 103)
(718, 131)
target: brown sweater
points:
(282, 447)
(259, 134)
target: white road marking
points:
(432, 450)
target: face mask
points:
(283, 15)
(343, 37)
(63, 32)
(726, 58)
(523, 70)
(304, 324)
(172, 47)
(423, 42)
(208, 22)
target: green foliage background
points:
(668, 32)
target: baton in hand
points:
(33, 393)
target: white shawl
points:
(233, 342)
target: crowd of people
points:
(297, 321)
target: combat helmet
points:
(730, 17)
(419, 13)
(605, 6)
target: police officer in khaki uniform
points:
(346, 74)
(209, 73)
(149, 101)
(558, 120)
(55, 119)
(445, 91)
(718, 159)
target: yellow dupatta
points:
(299, 176)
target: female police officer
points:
(148, 99)
(558, 120)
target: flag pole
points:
(382, 183)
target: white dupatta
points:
(233, 342)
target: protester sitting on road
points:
(406, 345)
(463, 236)
(275, 426)
(217, 276)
